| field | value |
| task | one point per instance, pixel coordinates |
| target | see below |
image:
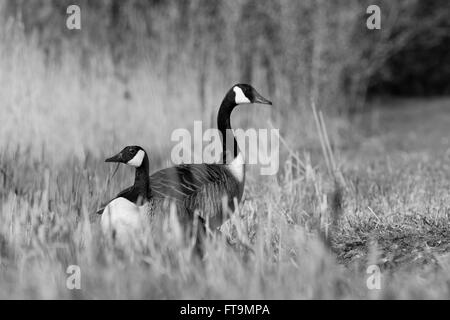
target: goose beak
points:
(260, 99)
(117, 158)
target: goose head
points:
(244, 94)
(130, 155)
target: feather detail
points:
(198, 188)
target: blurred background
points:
(376, 193)
(139, 69)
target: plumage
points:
(135, 209)
(198, 188)
(124, 220)
(210, 189)
(128, 214)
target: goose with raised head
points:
(205, 188)
(125, 216)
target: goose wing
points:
(196, 187)
(184, 180)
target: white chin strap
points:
(240, 97)
(137, 159)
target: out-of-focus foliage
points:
(422, 66)
(137, 71)
(298, 51)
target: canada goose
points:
(204, 187)
(132, 211)
(127, 214)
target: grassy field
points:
(394, 212)
(311, 237)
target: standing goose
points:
(126, 214)
(203, 187)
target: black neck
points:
(142, 179)
(229, 142)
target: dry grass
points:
(312, 237)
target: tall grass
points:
(310, 236)
(48, 224)
(59, 121)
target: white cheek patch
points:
(137, 159)
(240, 96)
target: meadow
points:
(314, 229)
